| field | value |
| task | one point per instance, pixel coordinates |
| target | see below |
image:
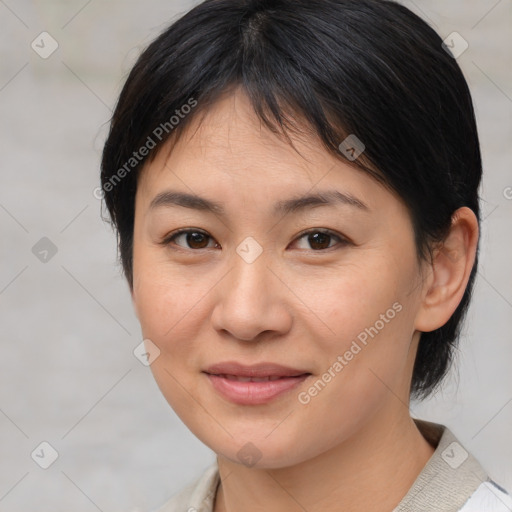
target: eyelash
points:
(172, 236)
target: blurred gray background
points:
(68, 375)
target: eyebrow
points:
(170, 198)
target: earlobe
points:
(452, 263)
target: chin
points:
(260, 452)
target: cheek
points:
(349, 299)
(164, 297)
(173, 310)
(169, 313)
(365, 314)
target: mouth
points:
(241, 378)
(262, 370)
(256, 384)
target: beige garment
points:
(451, 481)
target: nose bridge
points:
(249, 301)
(251, 278)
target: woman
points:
(294, 187)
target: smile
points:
(243, 390)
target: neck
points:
(372, 471)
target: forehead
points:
(231, 149)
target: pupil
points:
(195, 238)
(319, 238)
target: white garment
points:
(488, 497)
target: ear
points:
(449, 273)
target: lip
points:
(264, 369)
(284, 379)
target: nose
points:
(252, 300)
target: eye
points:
(194, 238)
(320, 239)
(317, 239)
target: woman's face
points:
(331, 290)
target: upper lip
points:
(256, 370)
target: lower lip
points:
(254, 393)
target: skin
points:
(353, 446)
